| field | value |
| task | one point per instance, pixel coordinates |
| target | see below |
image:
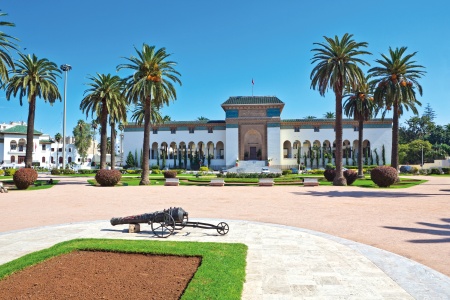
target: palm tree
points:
(117, 113)
(360, 106)
(33, 78)
(155, 115)
(396, 80)
(329, 115)
(151, 82)
(202, 118)
(6, 45)
(310, 117)
(337, 68)
(94, 126)
(104, 92)
(58, 138)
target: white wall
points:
(231, 146)
(274, 146)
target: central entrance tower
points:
(252, 128)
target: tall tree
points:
(33, 78)
(6, 45)
(151, 83)
(337, 68)
(329, 115)
(360, 106)
(396, 78)
(82, 134)
(117, 114)
(94, 126)
(58, 138)
(202, 118)
(104, 91)
(139, 113)
(310, 117)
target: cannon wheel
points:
(183, 223)
(164, 228)
(222, 228)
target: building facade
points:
(47, 152)
(253, 131)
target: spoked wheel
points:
(182, 224)
(164, 228)
(222, 228)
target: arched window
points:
(22, 145)
(43, 159)
(13, 145)
(69, 159)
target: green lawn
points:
(221, 274)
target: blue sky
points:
(220, 46)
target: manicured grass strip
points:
(368, 183)
(38, 185)
(221, 274)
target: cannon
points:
(166, 221)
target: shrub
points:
(170, 174)
(24, 177)
(2, 172)
(287, 172)
(435, 171)
(446, 170)
(350, 176)
(138, 171)
(68, 171)
(423, 171)
(203, 169)
(155, 167)
(55, 172)
(86, 171)
(317, 171)
(405, 169)
(330, 166)
(414, 170)
(384, 176)
(108, 177)
(10, 172)
(329, 174)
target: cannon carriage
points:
(166, 221)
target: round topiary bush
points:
(24, 177)
(170, 174)
(384, 176)
(108, 177)
(350, 176)
(329, 174)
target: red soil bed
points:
(102, 275)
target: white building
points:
(253, 133)
(47, 152)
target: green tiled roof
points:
(20, 129)
(239, 100)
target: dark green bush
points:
(55, 172)
(435, 171)
(108, 177)
(287, 172)
(10, 172)
(330, 166)
(446, 170)
(384, 176)
(24, 177)
(350, 176)
(86, 171)
(155, 167)
(329, 174)
(170, 174)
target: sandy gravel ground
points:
(413, 222)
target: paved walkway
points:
(284, 262)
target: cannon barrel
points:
(177, 214)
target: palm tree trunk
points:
(360, 146)
(30, 132)
(339, 179)
(146, 146)
(103, 136)
(394, 153)
(113, 143)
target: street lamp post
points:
(65, 68)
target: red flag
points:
(253, 81)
